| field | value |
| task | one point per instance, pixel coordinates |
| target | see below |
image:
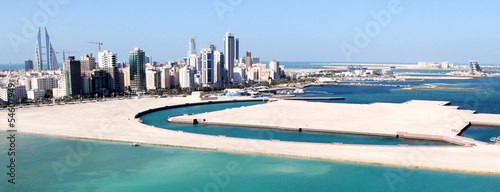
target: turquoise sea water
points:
(158, 120)
(54, 164)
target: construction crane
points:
(64, 53)
(98, 43)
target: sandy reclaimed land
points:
(114, 121)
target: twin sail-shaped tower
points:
(51, 54)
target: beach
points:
(114, 121)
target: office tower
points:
(38, 53)
(248, 59)
(192, 59)
(207, 61)
(28, 65)
(51, 54)
(137, 70)
(274, 69)
(99, 81)
(107, 62)
(229, 56)
(88, 62)
(186, 77)
(218, 67)
(192, 47)
(86, 84)
(236, 48)
(73, 77)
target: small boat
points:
(495, 139)
(298, 91)
(135, 144)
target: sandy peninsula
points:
(114, 121)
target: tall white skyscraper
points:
(51, 54)
(229, 57)
(107, 62)
(186, 77)
(38, 53)
(274, 69)
(193, 60)
(218, 67)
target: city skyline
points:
(415, 31)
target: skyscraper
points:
(137, 70)
(218, 67)
(192, 47)
(186, 77)
(237, 48)
(274, 69)
(38, 53)
(207, 63)
(107, 62)
(51, 54)
(73, 77)
(229, 56)
(193, 60)
(88, 62)
(28, 65)
(248, 59)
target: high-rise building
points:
(88, 62)
(192, 47)
(218, 67)
(186, 77)
(86, 84)
(126, 78)
(474, 67)
(38, 53)
(28, 65)
(239, 75)
(99, 81)
(107, 62)
(43, 83)
(207, 69)
(137, 70)
(229, 57)
(73, 77)
(51, 54)
(274, 69)
(153, 80)
(236, 48)
(248, 59)
(165, 78)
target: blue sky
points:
(291, 30)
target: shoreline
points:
(111, 125)
(295, 156)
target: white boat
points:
(135, 144)
(298, 91)
(495, 139)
